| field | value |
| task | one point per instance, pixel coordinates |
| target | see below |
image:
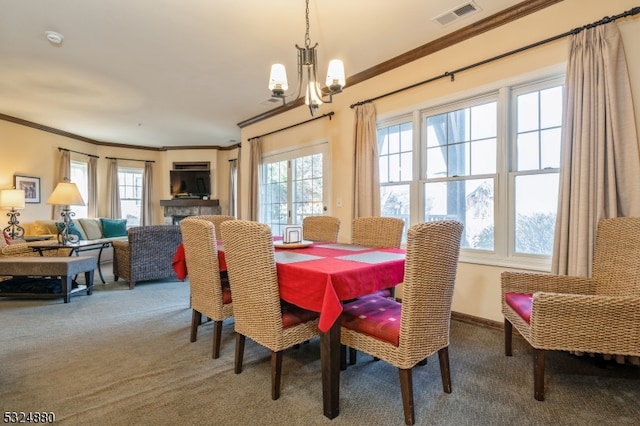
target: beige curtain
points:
(64, 175)
(92, 178)
(366, 179)
(600, 161)
(255, 159)
(146, 217)
(113, 190)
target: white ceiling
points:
(184, 72)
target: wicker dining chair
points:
(217, 219)
(208, 295)
(258, 311)
(377, 231)
(404, 334)
(321, 228)
(599, 315)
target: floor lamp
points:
(66, 194)
(13, 199)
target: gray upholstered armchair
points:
(148, 253)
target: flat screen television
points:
(190, 183)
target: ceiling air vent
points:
(456, 13)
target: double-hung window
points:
(489, 161)
(80, 176)
(130, 182)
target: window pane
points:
(536, 205)
(483, 122)
(528, 151)
(483, 157)
(458, 126)
(459, 159)
(528, 112)
(550, 148)
(436, 162)
(395, 202)
(396, 162)
(467, 201)
(551, 107)
(80, 176)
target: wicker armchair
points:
(321, 228)
(148, 253)
(598, 315)
(258, 312)
(371, 324)
(208, 295)
(377, 231)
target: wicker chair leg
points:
(508, 337)
(276, 373)
(406, 387)
(217, 336)
(237, 365)
(445, 371)
(538, 374)
(196, 319)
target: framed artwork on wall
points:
(31, 187)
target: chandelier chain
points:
(307, 38)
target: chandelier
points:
(308, 68)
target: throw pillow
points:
(73, 230)
(45, 227)
(92, 228)
(7, 238)
(114, 227)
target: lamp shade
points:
(12, 199)
(335, 75)
(66, 194)
(278, 78)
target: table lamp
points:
(13, 199)
(66, 194)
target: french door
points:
(293, 185)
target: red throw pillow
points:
(7, 238)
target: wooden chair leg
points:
(343, 357)
(406, 387)
(237, 365)
(276, 374)
(508, 336)
(353, 354)
(217, 336)
(538, 374)
(445, 371)
(196, 318)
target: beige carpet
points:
(124, 357)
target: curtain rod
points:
(129, 159)
(77, 152)
(329, 114)
(451, 74)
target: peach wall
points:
(478, 286)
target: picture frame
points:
(31, 187)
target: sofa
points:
(90, 229)
(147, 254)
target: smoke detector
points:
(458, 12)
(54, 37)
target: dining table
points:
(320, 277)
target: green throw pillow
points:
(114, 227)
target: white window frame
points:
(504, 201)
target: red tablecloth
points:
(319, 277)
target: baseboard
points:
(483, 322)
